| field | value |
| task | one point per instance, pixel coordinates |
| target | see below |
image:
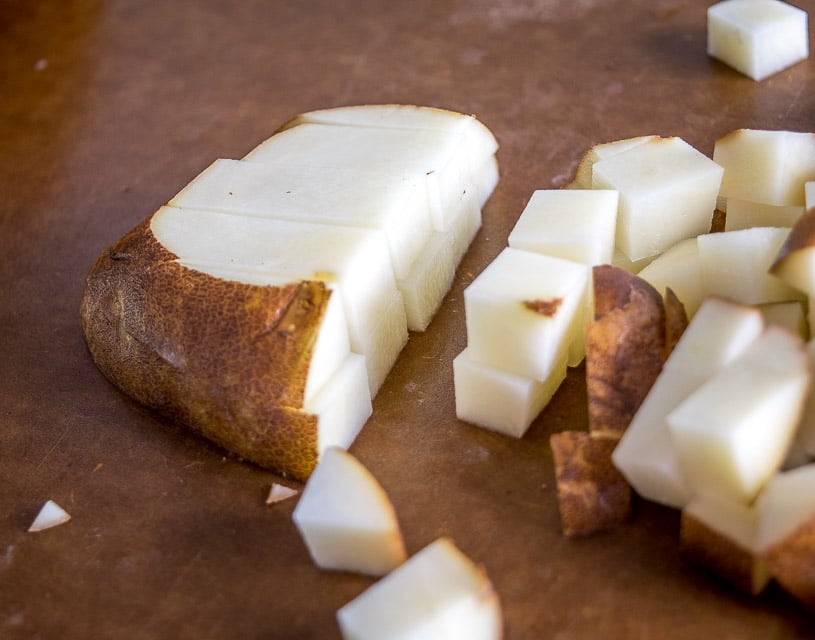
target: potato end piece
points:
(717, 555)
(592, 494)
(227, 359)
(624, 347)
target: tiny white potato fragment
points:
(765, 165)
(575, 224)
(279, 493)
(500, 400)
(679, 269)
(744, 214)
(733, 433)
(438, 593)
(522, 311)
(346, 519)
(736, 264)
(646, 454)
(757, 37)
(667, 191)
(50, 515)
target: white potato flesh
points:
(339, 196)
(433, 159)
(646, 454)
(757, 37)
(343, 404)
(573, 224)
(438, 593)
(522, 311)
(766, 166)
(632, 266)
(667, 190)
(346, 519)
(786, 503)
(355, 262)
(809, 194)
(50, 515)
(798, 270)
(679, 269)
(736, 521)
(499, 400)
(733, 433)
(479, 142)
(735, 264)
(599, 152)
(744, 214)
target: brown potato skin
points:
(227, 359)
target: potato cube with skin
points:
(522, 310)
(766, 166)
(500, 400)
(667, 190)
(346, 519)
(735, 264)
(573, 224)
(720, 537)
(582, 179)
(438, 593)
(757, 37)
(732, 434)
(646, 454)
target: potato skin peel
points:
(227, 359)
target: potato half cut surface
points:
(265, 304)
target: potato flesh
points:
(599, 152)
(733, 432)
(346, 519)
(437, 593)
(785, 504)
(745, 214)
(497, 304)
(735, 264)
(500, 400)
(646, 454)
(766, 166)
(678, 268)
(757, 37)
(572, 224)
(667, 191)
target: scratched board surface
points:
(109, 108)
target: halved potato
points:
(265, 305)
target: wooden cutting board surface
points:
(107, 109)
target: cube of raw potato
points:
(733, 433)
(523, 311)
(437, 593)
(735, 264)
(757, 37)
(500, 400)
(720, 538)
(766, 166)
(582, 179)
(667, 190)
(679, 269)
(646, 454)
(573, 224)
(795, 262)
(786, 531)
(744, 214)
(346, 519)
(592, 494)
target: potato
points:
(265, 304)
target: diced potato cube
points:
(573, 224)
(735, 264)
(766, 166)
(745, 214)
(522, 310)
(667, 190)
(757, 37)
(499, 400)
(678, 268)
